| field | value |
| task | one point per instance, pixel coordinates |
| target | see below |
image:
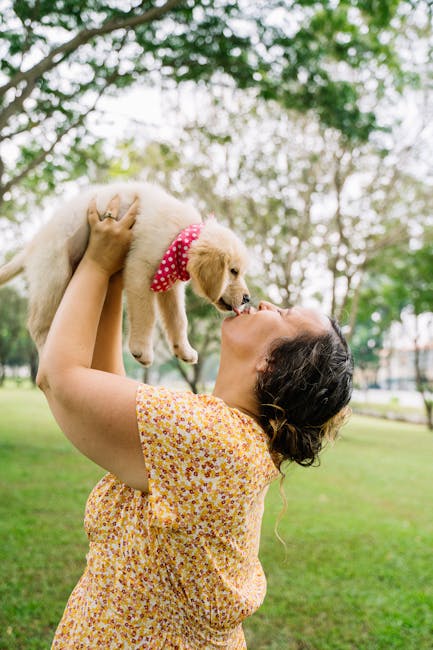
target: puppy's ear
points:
(207, 268)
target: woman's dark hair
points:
(303, 393)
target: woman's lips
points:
(246, 309)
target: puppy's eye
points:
(234, 272)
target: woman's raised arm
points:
(95, 409)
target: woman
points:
(174, 526)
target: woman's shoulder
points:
(202, 408)
(165, 396)
(149, 393)
(197, 406)
(233, 425)
(168, 404)
(204, 423)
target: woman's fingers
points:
(92, 212)
(113, 206)
(111, 212)
(128, 219)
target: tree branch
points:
(340, 179)
(355, 307)
(34, 163)
(26, 128)
(399, 236)
(64, 50)
(44, 153)
(16, 105)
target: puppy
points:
(170, 245)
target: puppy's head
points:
(217, 263)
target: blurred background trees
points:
(17, 350)
(60, 60)
(304, 126)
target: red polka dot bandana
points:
(173, 264)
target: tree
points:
(316, 211)
(16, 347)
(412, 279)
(59, 59)
(366, 343)
(402, 282)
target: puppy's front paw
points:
(143, 354)
(185, 353)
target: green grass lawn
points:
(358, 573)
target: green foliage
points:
(16, 347)
(398, 279)
(366, 343)
(58, 58)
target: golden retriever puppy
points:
(170, 245)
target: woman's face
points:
(250, 333)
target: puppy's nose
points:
(245, 299)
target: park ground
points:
(356, 573)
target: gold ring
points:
(108, 215)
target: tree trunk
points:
(428, 404)
(421, 384)
(33, 366)
(354, 307)
(192, 378)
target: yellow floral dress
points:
(178, 568)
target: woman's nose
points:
(263, 304)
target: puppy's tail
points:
(12, 268)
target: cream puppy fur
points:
(216, 263)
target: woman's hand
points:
(110, 238)
(70, 344)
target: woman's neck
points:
(237, 389)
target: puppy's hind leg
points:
(46, 289)
(142, 317)
(171, 305)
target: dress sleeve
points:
(202, 470)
